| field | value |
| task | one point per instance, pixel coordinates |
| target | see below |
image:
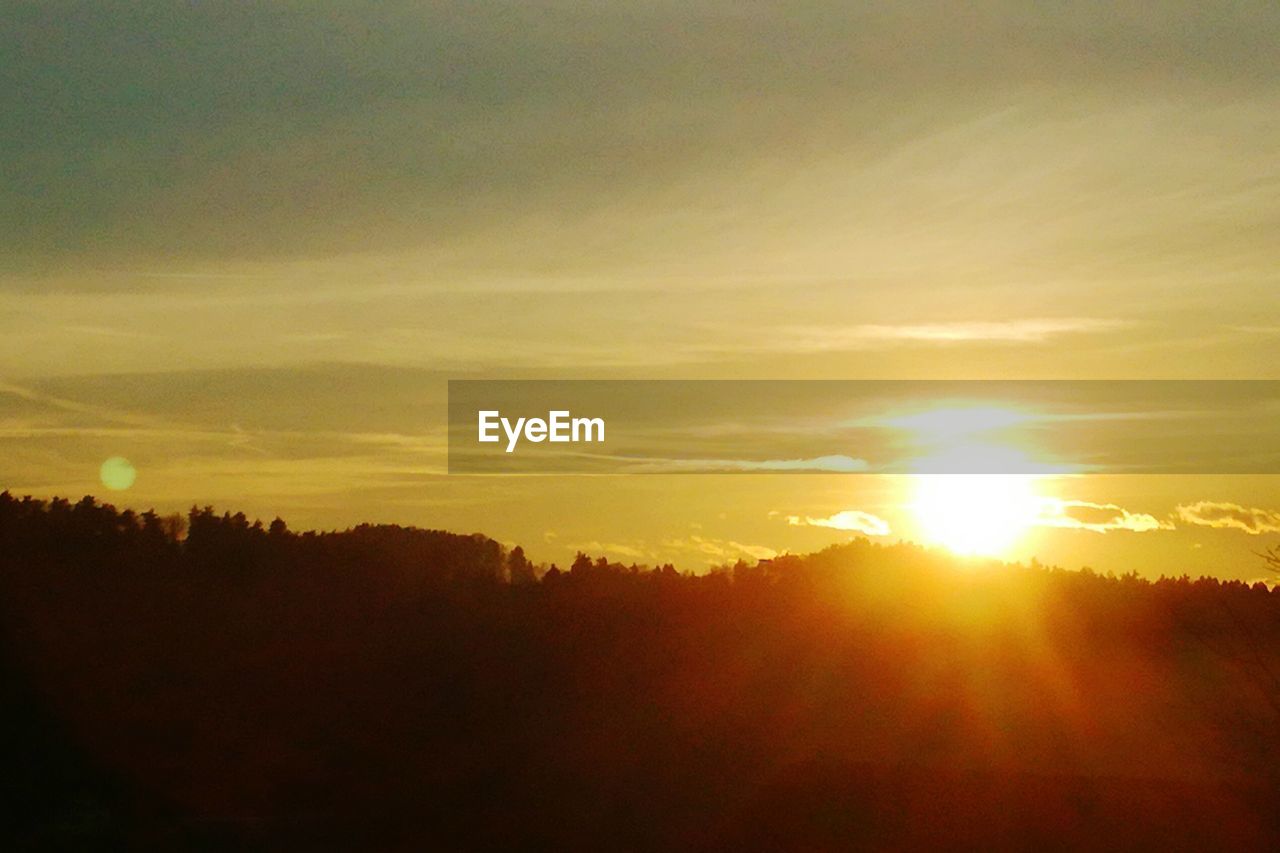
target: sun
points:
(974, 514)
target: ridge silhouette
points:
(216, 682)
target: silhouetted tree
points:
(519, 569)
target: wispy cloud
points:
(707, 550)
(1230, 516)
(610, 549)
(850, 519)
(719, 550)
(1100, 518)
(834, 464)
(31, 395)
(874, 335)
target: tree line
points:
(212, 681)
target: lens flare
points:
(117, 473)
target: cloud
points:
(834, 463)
(720, 550)
(849, 519)
(314, 129)
(864, 336)
(1100, 518)
(708, 550)
(493, 163)
(614, 549)
(1230, 516)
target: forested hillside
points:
(211, 682)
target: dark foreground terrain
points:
(213, 684)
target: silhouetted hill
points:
(213, 682)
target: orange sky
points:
(246, 249)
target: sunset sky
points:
(247, 247)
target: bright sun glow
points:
(971, 496)
(975, 514)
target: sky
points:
(246, 247)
